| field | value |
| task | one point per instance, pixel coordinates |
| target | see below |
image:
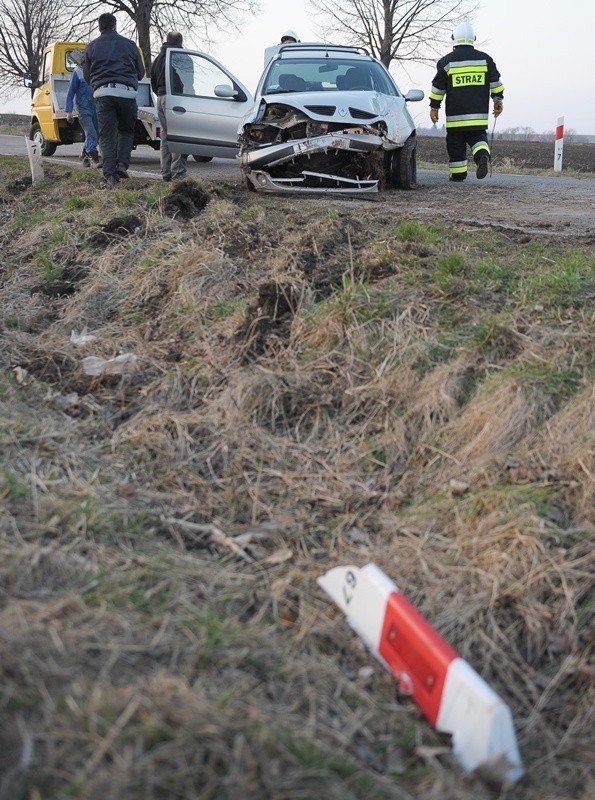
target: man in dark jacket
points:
(173, 165)
(468, 78)
(113, 66)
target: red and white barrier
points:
(559, 148)
(454, 698)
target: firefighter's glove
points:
(498, 107)
(434, 115)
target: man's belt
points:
(116, 86)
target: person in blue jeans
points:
(80, 94)
(113, 66)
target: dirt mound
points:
(186, 200)
(116, 228)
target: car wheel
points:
(35, 134)
(403, 166)
(203, 159)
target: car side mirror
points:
(29, 83)
(223, 90)
(414, 96)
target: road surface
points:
(555, 205)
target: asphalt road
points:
(144, 162)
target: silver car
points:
(324, 118)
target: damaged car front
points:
(328, 118)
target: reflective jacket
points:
(468, 78)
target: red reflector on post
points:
(415, 653)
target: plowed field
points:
(527, 155)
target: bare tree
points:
(150, 19)
(394, 30)
(28, 26)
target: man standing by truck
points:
(113, 67)
(81, 94)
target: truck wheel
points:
(403, 166)
(203, 159)
(35, 134)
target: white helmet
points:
(463, 33)
(289, 35)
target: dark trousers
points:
(457, 140)
(117, 118)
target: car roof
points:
(312, 49)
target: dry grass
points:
(161, 633)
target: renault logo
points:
(342, 112)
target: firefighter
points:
(468, 78)
(289, 37)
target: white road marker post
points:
(34, 153)
(453, 697)
(559, 149)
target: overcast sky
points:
(544, 53)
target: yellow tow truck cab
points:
(48, 117)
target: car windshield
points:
(327, 75)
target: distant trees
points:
(525, 134)
(394, 30)
(28, 26)
(519, 134)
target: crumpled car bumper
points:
(263, 182)
(268, 167)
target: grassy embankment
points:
(14, 124)
(315, 383)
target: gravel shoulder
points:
(558, 206)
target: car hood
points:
(353, 108)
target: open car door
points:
(204, 105)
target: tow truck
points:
(49, 126)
